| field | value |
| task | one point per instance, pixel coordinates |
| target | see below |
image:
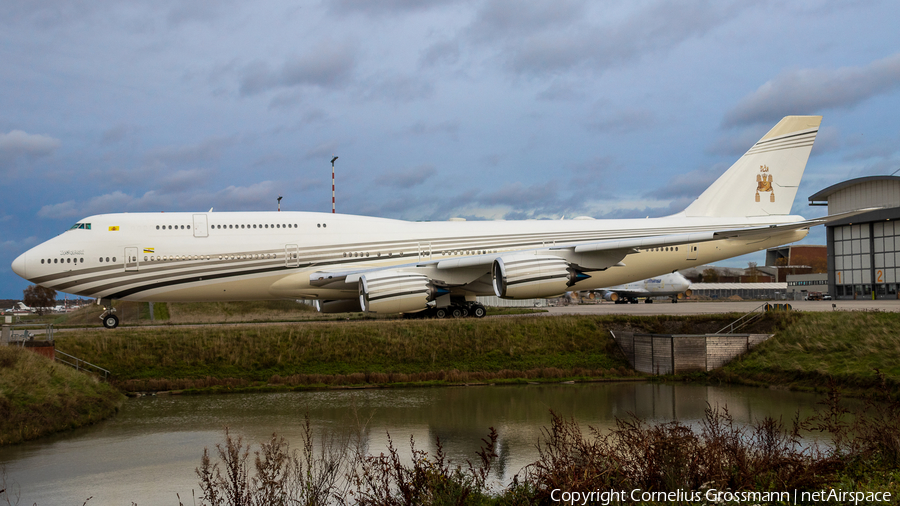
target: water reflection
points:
(149, 451)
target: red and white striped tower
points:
(332, 184)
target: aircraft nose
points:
(18, 265)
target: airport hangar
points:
(863, 251)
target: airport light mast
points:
(332, 184)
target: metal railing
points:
(745, 320)
(81, 365)
(19, 334)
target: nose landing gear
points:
(109, 319)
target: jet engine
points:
(533, 276)
(613, 296)
(397, 292)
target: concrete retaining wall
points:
(681, 353)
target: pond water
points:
(148, 452)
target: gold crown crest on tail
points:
(764, 183)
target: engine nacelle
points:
(338, 306)
(532, 276)
(396, 292)
(613, 296)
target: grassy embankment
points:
(856, 351)
(39, 397)
(354, 352)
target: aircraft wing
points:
(606, 253)
(696, 237)
(825, 220)
(475, 270)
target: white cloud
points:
(810, 91)
(18, 245)
(65, 209)
(543, 38)
(322, 151)
(256, 196)
(108, 203)
(688, 185)
(624, 121)
(451, 128)
(19, 143)
(252, 197)
(326, 65)
(384, 7)
(189, 180)
(406, 178)
(207, 149)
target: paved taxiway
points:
(657, 308)
(686, 308)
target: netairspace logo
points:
(607, 497)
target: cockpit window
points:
(82, 226)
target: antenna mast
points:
(332, 184)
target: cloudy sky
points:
(480, 109)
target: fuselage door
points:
(131, 259)
(200, 226)
(291, 255)
(693, 249)
(424, 251)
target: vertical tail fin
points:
(764, 181)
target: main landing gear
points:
(469, 310)
(109, 319)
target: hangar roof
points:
(822, 195)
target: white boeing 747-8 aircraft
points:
(380, 265)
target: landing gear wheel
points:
(111, 321)
(478, 311)
(440, 312)
(456, 312)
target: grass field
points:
(351, 352)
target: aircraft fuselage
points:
(269, 255)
